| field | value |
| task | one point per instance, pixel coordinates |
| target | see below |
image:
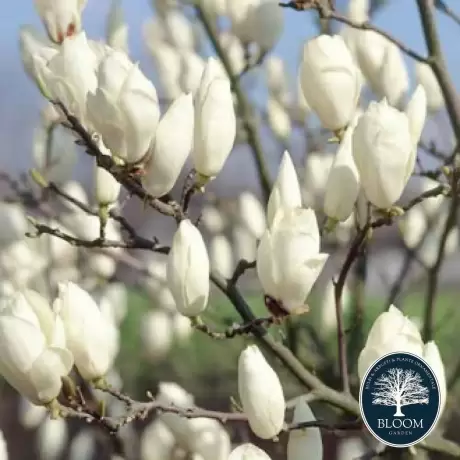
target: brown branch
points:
(442, 6)
(139, 410)
(122, 174)
(326, 14)
(438, 65)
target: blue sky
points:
(21, 101)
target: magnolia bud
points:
(221, 256)
(239, 12)
(330, 80)
(261, 393)
(316, 175)
(178, 30)
(52, 438)
(306, 439)
(382, 64)
(117, 28)
(248, 452)
(69, 76)
(265, 24)
(34, 357)
(156, 334)
(383, 152)
(234, 51)
(30, 416)
(91, 337)
(276, 77)
(391, 332)
(61, 18)
(171, 147)
(107, 187)
(157, 441)
(343, 183)
(432, 356)
(285, 273)
(252, 214)
(215, 121)
(188, 270)
(213, 219)
(278, 120)
(245, 244)
(426, 77)
(124, 108)
(83, 445)
(286, 189)
(13, 222)
(192, 69)
(208, 439)
(167, 65)
(416, 114)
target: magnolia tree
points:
(64, 297)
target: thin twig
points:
(327, 14)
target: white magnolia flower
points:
(221, 255)
(188, 270)
(382, 65)
(192, 65)
(52, 438)
(34, 355)
(156, 334)
(330, 80)
(92, 338)
(170, 148)
(315, 177)
(289, 259)
(213, 220)
(83, 445)
(215, 121)
(425, 77)
(70, 75)
(35, 51)
(107, 188)
(13, 222)
(30, 416)
(286, 189)
(275, 73)
(157, 441)
(61, 18)
(432, 356)
(265, 24)
(383, 150)
(178, 30)
(391, 332)
(278, 119)
(248, 452)
(261, 393)
(343, 184)
(173, 394)
(208, 439)
(167, 63)
(239, 14)
(394, 332)
(233, 49)
(124, 108)
(245, 243)
(117, 28)
(251, 214)
(306, 439)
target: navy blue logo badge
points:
(400, 399)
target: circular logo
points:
(400, 399)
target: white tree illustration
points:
(399, 387)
